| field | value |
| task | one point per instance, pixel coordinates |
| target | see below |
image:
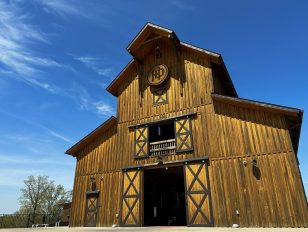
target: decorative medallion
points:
(158, 75)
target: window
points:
(160, 96)
(169, 136)
(161, 132)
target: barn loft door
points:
(91, 209)
(141, 142)
(183, 135)
(198, 197)
(131, 205)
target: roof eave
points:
(287, 111)
(208, 52)
(128, 48)
(260, 105)
(300, 120)
(110, 86)
(88, 138)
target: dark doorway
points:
(164, 197)
(160, 132)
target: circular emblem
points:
(158, 75)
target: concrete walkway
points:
(152, 229)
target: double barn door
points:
(197, 189)
(198, 196)
(131, 198)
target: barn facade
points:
(184, 149)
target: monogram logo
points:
(158, 75)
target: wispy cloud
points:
(63, 7)
(82, 97)
(20, 61)
(57, 135)
(29, 137)
(183, 5)
(95, 64)
(24, 160)
(104, 109)
(15, 177)
(25, 138)
(17, 35)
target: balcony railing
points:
(162, 147)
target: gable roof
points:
(149, 33)
(294, 116)
(92, 135)
(289, 111)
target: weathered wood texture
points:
(227, 134)
(197, 86)
(109, 185)
(269, 195)
(197, 187)
(229, 131)
(218, 84)
(131, 200)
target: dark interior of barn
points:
(164, 197)
(161, 132)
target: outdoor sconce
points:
(93, 183)
(157, 52)
(254, 162)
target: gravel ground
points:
(151, 229)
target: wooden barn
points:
(184, 149)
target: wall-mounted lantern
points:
(93, 183)
(158, 53)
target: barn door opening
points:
(198, 196)
(91, 208)
(164, 197)
(131, 194)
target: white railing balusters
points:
(162, 147)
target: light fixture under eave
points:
(254, 162)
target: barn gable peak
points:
(146, 40)
(148, 34)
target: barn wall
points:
(267, 196)
(228, 135)
(109, 184)
(221, 130)
(218, 84)
(196, 89)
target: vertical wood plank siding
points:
(273, 199)
(271, 196)
(196, 91)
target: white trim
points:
(142, 30)
(200, 49)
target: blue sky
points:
(57, 57)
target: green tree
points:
(33, 194)
(54, 197)
(42, 196)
